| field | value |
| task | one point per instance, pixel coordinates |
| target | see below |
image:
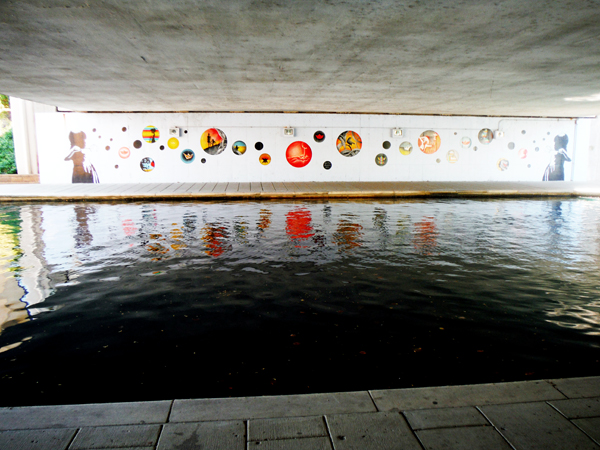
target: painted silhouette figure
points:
(83, 171)
(556, 168)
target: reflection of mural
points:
(349, 234)
(555, 171)
(425, 236)
(150, 134)
(173, 143)
(147, 164)
(239, 147)
(213, 141)
(298, 225)
(187, 156)
(349, 143)
(265, 159)
(381, 159)
(465, 142)
(215, 238)
(502, 164)
(452, 156)
(523, 153)
(429, 142)
(406, 148)
(264, 221)
(485, 136)
(83, 170)
(298, 154)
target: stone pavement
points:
(545, 414)
(292, 190)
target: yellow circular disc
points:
(173, 143)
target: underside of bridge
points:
(465, 57)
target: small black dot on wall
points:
(99, 137)
(93, 130)
(162, 147)
(523, 131)
(386, 144)
(185, 131)
(203, 160)
(327, 165)
(110, 139)
(117, 166)
(107, 148)
(259, 146)
(124, 129)
(137, 144)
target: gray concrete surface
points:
(520, 415)
(466, 57)
(270, 191)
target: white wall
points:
(477, 163)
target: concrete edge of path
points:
(271, 407)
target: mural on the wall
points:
(452, 156)
(465, 142)
(381, 159)
(485, 136)
(187, 156)
(523, 153)
(173, 143)
(239, 147)
(150, 134)
(298, 154)
(406, 148)
(502, 164)
(555, 171)
(213, 141)
(124, 152)
(319, 136)
(349, 143)
(265, 159)
(83, 169)
(429, 142)
(147, 164)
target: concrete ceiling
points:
(466, 57)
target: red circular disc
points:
(298, 154)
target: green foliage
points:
(7, 153)
(4, 101)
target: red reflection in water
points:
(129, 227)
(298, 225)
(425, 240)
(215, 238)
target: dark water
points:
(137, 301)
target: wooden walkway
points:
(268, 190)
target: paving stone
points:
(537, 426)
(270, 407)
(578, 408)
(384, 430)
(465, 438)
(473, 395)
(316, 443)
(73, 416)
(116, 437)
(36, 439)
(591, 426)
(205, 436)
(422, 419)
(298, 427)
(578, 387)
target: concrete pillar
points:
(24, 133)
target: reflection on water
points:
(490, 290)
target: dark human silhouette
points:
(555, 171)
(83, 171)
